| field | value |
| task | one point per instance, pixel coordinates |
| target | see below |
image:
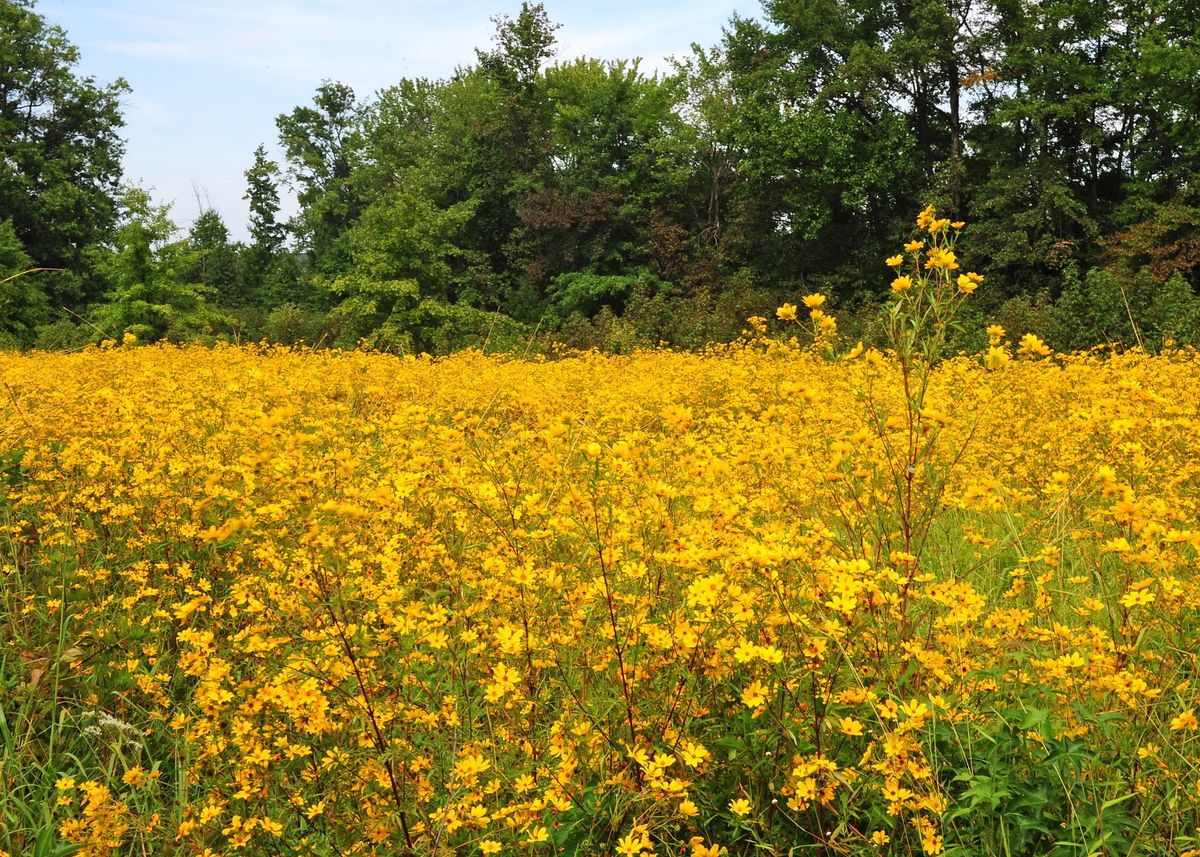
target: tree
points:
(60, 151)
(267, 234)
(267, 272)
(614, 159)
(403, 254)
(144, 270)
(214, 260)
(23, 304)
(521, 47)
(321, 144)
(825, 152)
(399, 130)
(509, 145)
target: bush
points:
(441, 328)
(586, 292)
(1022, 314)
(62, 335)
(290, 324)
(1104, 307)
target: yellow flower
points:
(925, 217)
(471, 765)
(1137, 598)
(850, 726)
(536, 835)
(699, 849)
(902, 284)
(707, 532)
(754, 695)
(914, 246)
(1186, 720)
(1033, 346)
(855, 352)
(814, 301)
(787, 312)
(969, 281)
(693, 754)
(996, 357)
(940, 257)
(631, 844)
(895, 261)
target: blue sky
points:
(210, 76)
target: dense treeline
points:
(533, 193)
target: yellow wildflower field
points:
(265, 601)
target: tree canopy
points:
(60, 151)
(585, 196)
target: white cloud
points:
(364, 44)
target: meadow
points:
(779, 596)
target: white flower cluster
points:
(110, 729)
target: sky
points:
(210, 76)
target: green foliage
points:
(585, 293)
(521, 46)
(405, 236)
(321, 143)
(147, 295)
(60, 153)
(62, 335)
(1022, 789)
(1103, 307)
(652, 318)
(290, 324)
(213, 259)
(1034, 314)
(262, 193)
(23, 303)
(440, 328)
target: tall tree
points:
(1041, 145)
(509, 144)
(321, 144)
(521, 46)
(267, 234)
(23, 304)
(614, 159)
(214, 260)
(826, 152)
(267, 271)
(60, 149)
(145, 269)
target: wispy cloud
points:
(303, 42)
